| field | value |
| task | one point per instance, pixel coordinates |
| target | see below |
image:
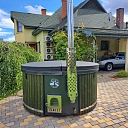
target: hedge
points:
(12, 56)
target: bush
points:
(12, 55)
(122, 73)
(85, 49)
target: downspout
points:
(71, 55)
(95, 47)
(126, 57)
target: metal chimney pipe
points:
(70, 23)
(71, 55)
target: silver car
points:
(114, 62)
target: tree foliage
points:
(85, 47)
(12, 55)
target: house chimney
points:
(64, 9)
(43, 11)
(120, 17)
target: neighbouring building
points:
(1, 40)
(34, 29)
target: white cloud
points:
(2, 12)
(12, 38)
(5, 33)
(5, 21)
(49, 13)
(126, 18)
(36, 9)
(112, 5)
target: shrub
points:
(122, 73)
(85, 49)
(12, 55)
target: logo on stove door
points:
(54, 83)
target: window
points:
(104, 45)
(19, 27)
(34, 46)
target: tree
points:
(85, 47)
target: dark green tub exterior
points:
(33, 93)
(35, 87)
(87, 92)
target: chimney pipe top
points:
(64, 9)
(120, 17)
(43, 11)
(120, 8)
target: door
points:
(34, 46)
(119, 62)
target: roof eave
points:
(107, 34)
(111, 35)
(38, 30)
(12, 19)
(26, 26)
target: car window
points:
(120, 54)
(119, 57)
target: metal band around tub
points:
(83, 109)
(36, 110)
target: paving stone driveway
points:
(111, 110)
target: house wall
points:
(113, 46)
(19, 36)
(28, 35)
(41, 45)
(122, 45)
(25, 35)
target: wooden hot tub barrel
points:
(45, 88)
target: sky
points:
(35, 6)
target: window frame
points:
(104, 45)
(19, 26)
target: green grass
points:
(122, 73)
